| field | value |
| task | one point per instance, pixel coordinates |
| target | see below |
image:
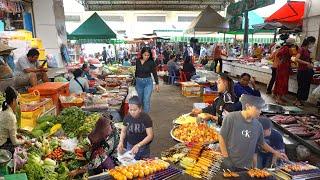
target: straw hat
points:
(5, 48)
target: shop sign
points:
(238, 8)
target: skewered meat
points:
(296, 167)
(258, 173)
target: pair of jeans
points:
(143, 153)
(272, 80)
(144, 87)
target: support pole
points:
(224, 38)
(275, 36)
(246, 34)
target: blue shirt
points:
(275, 141)
(239, 90)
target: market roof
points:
(169, 5)
(291, 12)
(208, 21)
(93, 28)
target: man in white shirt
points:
(28, 68)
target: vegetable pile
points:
(71, 119)
(89, 123)
(2, 98)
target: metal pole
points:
(224, 38)
(246, 33)
(275, 36)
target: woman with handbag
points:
(305, 70)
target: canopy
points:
(292, 12)
(92, 29)
(208, 21)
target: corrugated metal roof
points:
(168, 5)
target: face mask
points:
(311, 48)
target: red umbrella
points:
(292, 12)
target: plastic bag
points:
(316, 92)
(126, 158)
(52, 61)
(20, 157)
(69, 144)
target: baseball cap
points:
(255, 101)
(265, 122)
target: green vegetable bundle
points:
(71, 119)
(2, 98)
(89, 124)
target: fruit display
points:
(175, 153)
(230, 174)
(141, 169)
(258, 173)
(193, 132)
(201, 162)
(185, 119)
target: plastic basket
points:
(210, 97)
(67, 105)
(45, 103)
(191, 89)
(30, 97)
(29, 119)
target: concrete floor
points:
(169, 104)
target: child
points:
(241, 133)
(137, 130)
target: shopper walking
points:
(305, 70)
(104, 55)
(283, 71)
(275, 62)
(146, 66)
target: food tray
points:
(308, 143)
(307, 175)
(272, 109)
(243, 176)
(173, 137)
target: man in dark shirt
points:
(166, 54)
(274, 139)
(104, 55)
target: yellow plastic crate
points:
(36, 43)
(23, 35)
(42, 55)
(29, 97)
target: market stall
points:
(262, 72)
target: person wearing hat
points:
(283, 71)
(6, 55)
(223, 104)
(275, 62)
(29, 69)
(274, 139)
(241, 133)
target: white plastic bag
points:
(69, 144)
(126, 158)
(52, 61)
(316, 92)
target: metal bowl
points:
(273, 109)
(5, 156)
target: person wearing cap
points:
(274, 139)
(283, 71)
(275, 62)
(223, 104)
(29, 69)
(137, 131)
(241, 133)
(6, 55)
